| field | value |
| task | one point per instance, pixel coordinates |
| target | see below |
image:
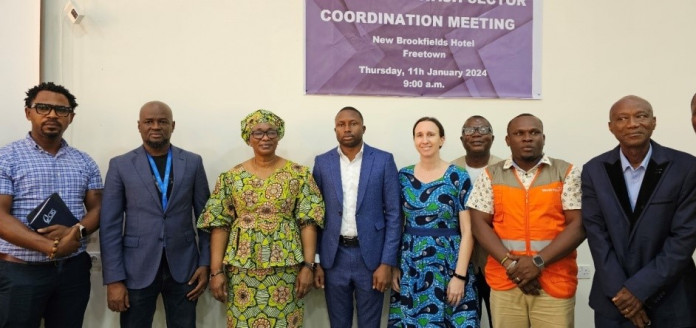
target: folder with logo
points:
(51, 211)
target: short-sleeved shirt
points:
(481, 197)
(30, 174)
(264, 216)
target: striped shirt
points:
(29, 174)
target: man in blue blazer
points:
(639, 212)
(359, 244)
(152, 197)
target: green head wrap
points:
(261, 116)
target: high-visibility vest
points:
(526, 221)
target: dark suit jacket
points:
(649, 250)
(132, 252)
(378, 209)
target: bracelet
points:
(502, 262)
(54, 250)
(212, 275)
(460, 277)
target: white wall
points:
(216, 61)
(19, 60)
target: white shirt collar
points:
(509, 163)
(344, 157)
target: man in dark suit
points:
(639, 212)
(158, 190)
(359, 244)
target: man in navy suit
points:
(359, 244)
(639, 212)
(152, 197)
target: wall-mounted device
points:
(74, 14)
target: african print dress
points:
(429, 249)
(264, 217)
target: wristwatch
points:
(309, 265)
(538, 261)
(83, 230)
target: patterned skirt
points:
(263, 298)
(427, 264)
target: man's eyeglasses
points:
(480, 129)
(44, 109)
(258, 135)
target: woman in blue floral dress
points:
(436, 284)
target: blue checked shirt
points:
(29, 174)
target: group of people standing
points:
(444, 237)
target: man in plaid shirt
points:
(44, 274)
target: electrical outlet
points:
(584, 272)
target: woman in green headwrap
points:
(262, 216)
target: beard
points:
(157, 144)
(52, 132)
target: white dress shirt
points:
(350, 178)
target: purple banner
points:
(432, 48)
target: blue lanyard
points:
(163, 185)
